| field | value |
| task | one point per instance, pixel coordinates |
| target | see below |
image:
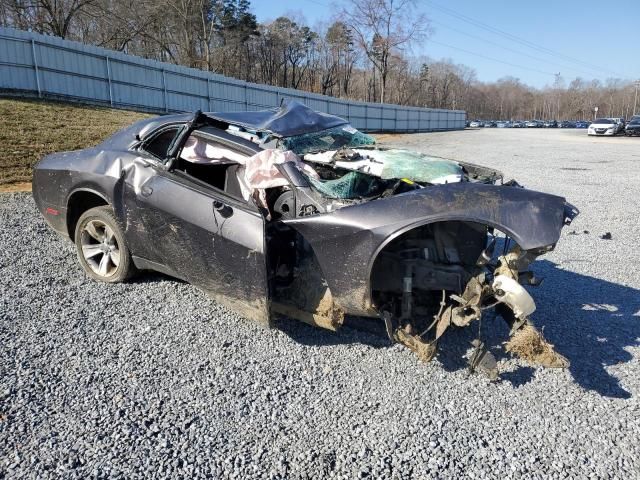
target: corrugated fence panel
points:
(34, 64)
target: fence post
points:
(35, 65)
(246, 100)
(109, 80)
(209, 93)
(366, 116)
(164, 92)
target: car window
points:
(159, 143)
(215, 162)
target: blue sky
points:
(586, 38)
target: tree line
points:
(364, 53)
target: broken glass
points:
(350, 186)
(343, 136)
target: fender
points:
(347, 241)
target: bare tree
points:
(382, 27)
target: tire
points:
(101, 247)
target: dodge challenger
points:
(295, 213)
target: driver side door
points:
(205, 236)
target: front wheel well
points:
(79, 202)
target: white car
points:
(603, 126)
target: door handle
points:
(146, 191)
(223, 209)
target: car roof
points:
(291, 119)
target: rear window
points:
(603, 120)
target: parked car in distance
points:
(550, 124)
(567, 124)
(490, 124)
(582, 124)
(633, 127)
(476, 124)
(603, 126)
(532, 124)
(503, 124)
(517, 124)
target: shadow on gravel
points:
(366, 332)
(590, 321)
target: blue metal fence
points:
(50, 67)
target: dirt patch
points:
(15, 187)
(529, 344)
(388, 137)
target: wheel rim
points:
(100, 248)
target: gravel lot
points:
(153, 379)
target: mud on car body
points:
(294, 212)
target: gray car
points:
(296, 213)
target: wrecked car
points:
(294, 212)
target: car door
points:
(212, 240)
(200, 234)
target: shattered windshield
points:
(350, 186)
(343, 136)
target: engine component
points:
(285, 205)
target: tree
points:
(47, 16)
(339, 40)
(382, 27)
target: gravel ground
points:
(153, 379)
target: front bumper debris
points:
(503, 291)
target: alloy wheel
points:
(100, 248)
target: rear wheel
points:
(101, 247)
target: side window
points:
(216, 163)
(159, 144)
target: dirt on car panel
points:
(309, 299)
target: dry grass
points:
(32, 129)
